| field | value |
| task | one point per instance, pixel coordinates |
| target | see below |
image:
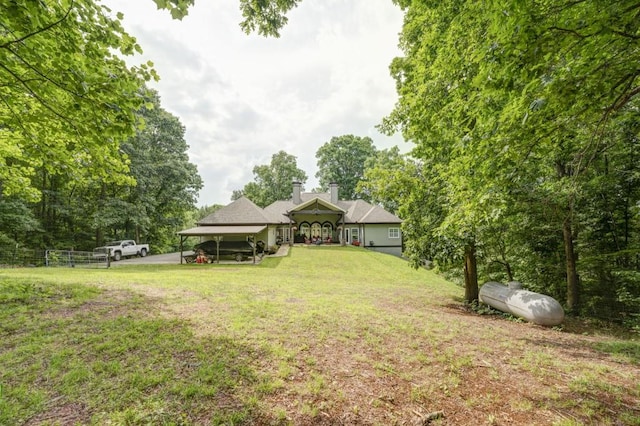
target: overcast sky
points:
(242, 98)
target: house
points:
(307, 217)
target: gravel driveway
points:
(174, 258)
(153, 259)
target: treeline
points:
(343, 160)
(86, 151)
(151, 202)
(525, 121)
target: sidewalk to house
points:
(282, 251)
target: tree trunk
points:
(99, 230)
(470, 274)
(573, 292)
(509, 272)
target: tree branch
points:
(570, 31)
(37, 97)
(16, 115)
(623, 34)
(45, 77)
(41, 30)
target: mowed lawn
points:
(326, 335)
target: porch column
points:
(291, 233)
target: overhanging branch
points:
(41, 30)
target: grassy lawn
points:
(326, 335)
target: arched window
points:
(305, 229)
(327, 230)
(316, 229)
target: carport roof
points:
(223, 230)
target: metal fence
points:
(76, 259)
(13, 257)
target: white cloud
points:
(243, 98)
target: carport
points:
(219, 232)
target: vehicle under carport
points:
(218, 233)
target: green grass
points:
(335, 334)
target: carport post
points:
(217, 239)
(182, 239)
(254, 248)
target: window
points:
(355, 234)
(327, 230)
(305, 230)
(394, 232)
(316, 230)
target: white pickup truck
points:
(124, 248)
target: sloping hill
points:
(326, 335)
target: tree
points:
(388, 176)
(81, 214)
(265, 17)
(167, 183)
(272, 182)
(511, 102)
(16, 222)
(67, 99)
(342, 160)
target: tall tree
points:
(67, 98)
(342, 160)
(272, 182)
(388, 177)
(512, 100)
(167, 183)
(83, 213)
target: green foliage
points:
(167, 183)
(67, 98)
(81, 214)
(523, 113)
(272, 182)
(16, 221)
(267, 17)
(387, 179)
(342, 160)
(178, 8)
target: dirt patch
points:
(110, 303)
(62, 413)
(400, 369)
(503, 373)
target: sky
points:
(243, 98)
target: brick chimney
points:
(297, 186)
(333, 192)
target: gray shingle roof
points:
(276, 211)
(223, 230)
(240, 212)
(357, 211)
(244, 212)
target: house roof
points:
(356, 211)
(277, 211)
(243, 212)
(317, 203)
(223, 230)
(240, 212)
(377, 214)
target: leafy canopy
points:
(272, 182)
(67, 98)
(342, 160)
